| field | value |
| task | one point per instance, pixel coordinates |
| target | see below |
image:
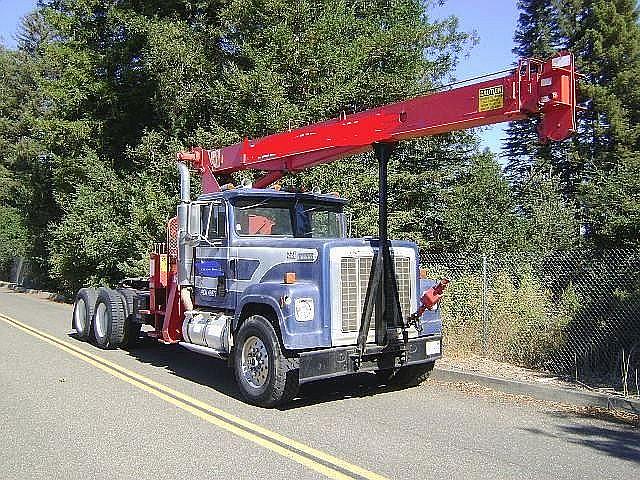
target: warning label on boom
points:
(490, 98)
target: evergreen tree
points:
(480, 212)
(539, 173)
(537, 35)
(605, 36)
(25, 173)
(33, 33)
(121, 86)
(550, 220)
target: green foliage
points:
(550, 220)
(102, 94)
(598, 163)
(462, 315)
(614, 204)
(13, 238)
(524, 322)
(537, 35)
(479, 212)
(108, 224)
(605, 36)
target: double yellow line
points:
(317, 460)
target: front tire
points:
(109, 319)
(83, 308)
(265, 375)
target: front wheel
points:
(265, 375)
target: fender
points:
(280, 297)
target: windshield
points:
(288, 218)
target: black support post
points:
(382, 290)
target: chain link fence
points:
(573, 313)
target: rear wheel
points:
(108, 319)
(131, 327)
(265, 376)
(83, 307)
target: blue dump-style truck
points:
(269, 281)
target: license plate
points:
(433, 347)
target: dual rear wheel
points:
(105, 316)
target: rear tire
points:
(131, 327)
(108, 319)
(83, 307)
(265, 376)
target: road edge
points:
(541, 392)
(55, 297)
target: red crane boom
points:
(535, 87)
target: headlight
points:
(304, 309)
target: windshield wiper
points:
(256, 205)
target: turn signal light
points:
(423, 273)
(290, 277)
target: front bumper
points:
(337, 361)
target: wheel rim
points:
(80, 316)
(101, 320)
(255, 362)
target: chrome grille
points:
(350, 294)
(354, 272)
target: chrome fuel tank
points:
(208, 329)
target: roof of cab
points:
(269, 192)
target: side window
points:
(213, 221)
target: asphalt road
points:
(163, 412)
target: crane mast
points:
(534, 87)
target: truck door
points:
(212, 269)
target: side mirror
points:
(194, 224)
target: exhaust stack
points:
(185, 254)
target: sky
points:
(493, 22)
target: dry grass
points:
(555, 408)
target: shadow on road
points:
(215, 374)
(621, 441)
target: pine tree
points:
(33, 33)
(605, 36)
(539, 173)
(480, 213)
(124, 85)
(537, 35)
